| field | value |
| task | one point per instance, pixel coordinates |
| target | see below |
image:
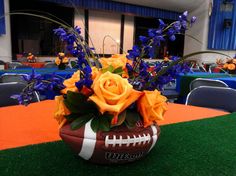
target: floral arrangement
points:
(31, 58)
(119, 90)
(61, 61)
(122, 89)
(220, 62)
(230, 65)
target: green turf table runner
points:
(197, 148)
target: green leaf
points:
(88, 107)
(95, 124)
(107, 116)
(121, 118)
(77, 104)
(118, 71)
(110, 68)
(74, 100)
(72, 116)
(79, 122)
(131, 118)
(101, 122)
(104, 124)
(75, 97)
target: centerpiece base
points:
(119, 145)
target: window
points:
(33, 34)
(168, 47)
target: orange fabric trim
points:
(181, 113)
(34, 124)
(35, 64)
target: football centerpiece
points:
(109, 109)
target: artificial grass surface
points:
(198, 148)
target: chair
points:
(22, 67)
(9, 89)
(50, 65)
(169, 91)
(212, 67)
(13, 65)
(222, 98)
(206, 82)
(12, 77)
(170, 94)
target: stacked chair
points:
(11, 88)
(169, 91)
(11, 84)
(213, 94)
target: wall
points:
(5, 40)
(79, 20)
(200, 32)
(128, 33)
(102, 24)
(105, 26)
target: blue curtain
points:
(120, 7)
(2, 20)
(219, 36)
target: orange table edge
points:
(34, 124)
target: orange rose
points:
(65, 60)
(234, 61)
(61, 54)
(231, 66)
(70, 83)
(152, 106)
(113, 93)
(61, 110)
(57, 61)
(225, 66)
(95, 72)
(116, 61)
(166, 59)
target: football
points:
(120, 145)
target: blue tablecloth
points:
(183, 80)
(230, 81)
(44, 71)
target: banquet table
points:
(34, 123)
(34, 64)
(44, 71)
(199, 145)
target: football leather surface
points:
(119, 145)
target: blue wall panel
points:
(2, 19)
(219, 36)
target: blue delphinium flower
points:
(134, 53)
(85, 79)
(38, 83)
(72, 37)
(143, 75)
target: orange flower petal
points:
(152, 107)
(61, 110)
